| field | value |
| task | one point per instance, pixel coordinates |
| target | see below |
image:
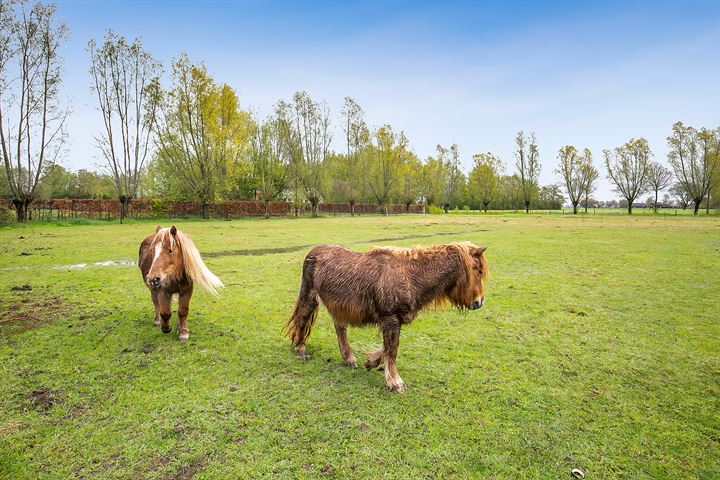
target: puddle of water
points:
(106, 263)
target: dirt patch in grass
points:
(413, 237)
(43, 399)
(31, 310)
(255, 251)
(188, 471)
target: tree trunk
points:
(407, 207)
(205, 211)
(124, 207)
(697, 206)
(485, 205)
(352, 208)
(313, 206)
(527, 206)
(21, 208)
(574, 208)
(707, 204)
(445, 207)
(267, 209)
(655, 204)
(629, 208)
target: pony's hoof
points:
(168, 330)
(184, 337)
(156, 323)
(397, 386)
(352, 364)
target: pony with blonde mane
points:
(388, 287)
(171, 265)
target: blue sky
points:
(471, 73)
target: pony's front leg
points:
(183, 308)
(164, 311)
(156, 304)
(390, 327)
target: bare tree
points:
(693, 155)
(628, 167)
(680, 195)
(126, 82)
(590, 176)
(32, 118)
(357, 137)
(659, 178)
(527, 162)
(454, 175)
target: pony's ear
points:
(479, 251)
(173, 230)
(158, 228)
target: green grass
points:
(598, 348)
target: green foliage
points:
(204, 137)
(7, 216)
(575, 360)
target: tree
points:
(590, 176)
(484, 178)
(411, 181)
(453, 175)
(383, 164)
(527, 162)
(659, 178)
(126, 82)
(268, 162)
(308, 140)
(434, 173)
(201, 132)
(550, 197)
(628, 167)
(572, 172)
(357, 137)
(693, 155)
(32, 118)
(681, 196)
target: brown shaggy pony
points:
(171, 265)
(386, 286)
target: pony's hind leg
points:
(345, 349)
(390, 327)
(302, 319)
(183, 308)
(375, 359)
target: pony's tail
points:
(305, 312)
(195, 267)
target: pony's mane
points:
(193, 264)
(462, 248)
(413, 252)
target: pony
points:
(171, 265)
(388, 287)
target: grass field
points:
(598, 348)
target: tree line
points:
(192, 140)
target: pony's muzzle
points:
(476, 304)
(154, 282)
